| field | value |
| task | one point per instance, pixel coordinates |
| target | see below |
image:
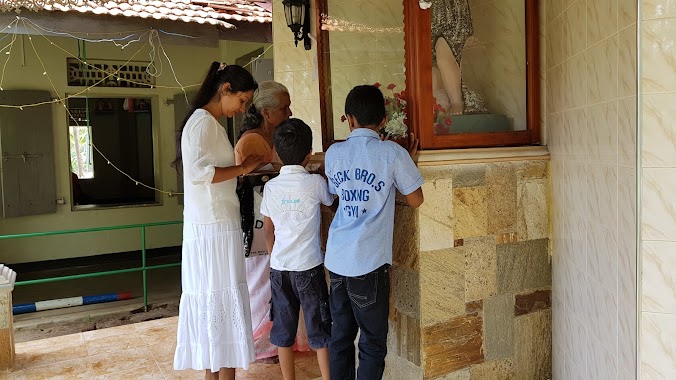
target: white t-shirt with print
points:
(292, 200)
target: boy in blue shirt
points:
(364, 172)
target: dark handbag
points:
(246, 185)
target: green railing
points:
(143, 268)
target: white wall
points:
(658, 184)
(591, 135)
(24, 71)
(295, 68)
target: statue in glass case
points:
(451, 27)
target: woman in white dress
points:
(214, 323)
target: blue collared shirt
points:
(364, 172)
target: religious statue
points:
(451, 27)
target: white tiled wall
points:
(591, 122)
(658, 178)
(295, 67)
(373, 54)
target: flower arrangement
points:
(395, 106)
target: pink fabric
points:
(258, 281)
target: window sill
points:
(91, 207)
(473, 155)
(470, 155)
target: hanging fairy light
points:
(156, 54)
(37, 5)
(332, 24)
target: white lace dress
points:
(214, 323)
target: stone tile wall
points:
(471, 278)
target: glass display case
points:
(458, 73)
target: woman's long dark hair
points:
(240, 81)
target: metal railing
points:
(143, 268)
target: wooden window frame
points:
(418, 62)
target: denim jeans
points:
(359, 303)
(291, 291)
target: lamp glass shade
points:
(294, 12)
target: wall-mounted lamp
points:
(297, 13)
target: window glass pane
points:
(479, 65)
(81, 162)
(121, 129)
(366, 44)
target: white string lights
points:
(338, 25)
(153, 55)
(155, 68)
(62, 100)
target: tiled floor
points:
(131, 352)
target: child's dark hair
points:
(240, 81)
(366, 104)
(292, 141)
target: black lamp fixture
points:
(297, 13)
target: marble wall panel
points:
(452, 345)
(532, 346)
(499, 327)
(524, 265)
(442, 284)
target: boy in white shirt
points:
(291, 207)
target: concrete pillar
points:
(7, 278)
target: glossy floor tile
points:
(132, 352)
